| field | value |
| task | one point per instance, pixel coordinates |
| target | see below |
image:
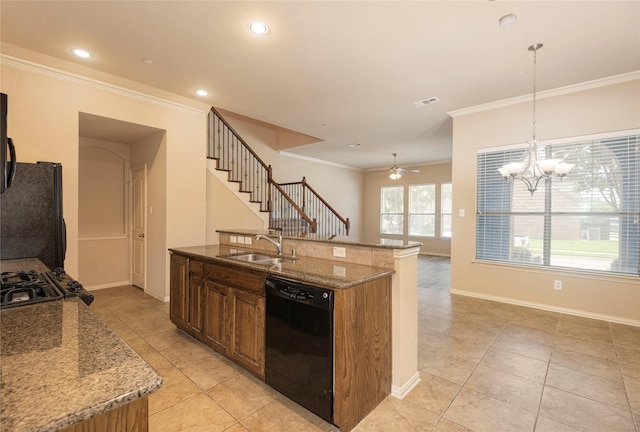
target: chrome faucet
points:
(277, 244)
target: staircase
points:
(294, 208)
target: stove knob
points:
(73, 286)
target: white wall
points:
(45, 99)
(562, 114)
(341, 187)
(103, 225)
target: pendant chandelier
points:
(533, 169)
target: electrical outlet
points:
(557, 284)
(339, 252)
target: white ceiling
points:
(342, 71)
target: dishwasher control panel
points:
(299, 292)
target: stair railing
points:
(295, 216)
(330, 222)
(235, 156)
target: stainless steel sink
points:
(250, 257)
(258, 258)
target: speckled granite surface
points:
(333, 274)
(61, 364)
(22, 264)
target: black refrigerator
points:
(31, 220)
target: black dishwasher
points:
(299, 344)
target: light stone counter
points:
(61, 365)
(333, 274)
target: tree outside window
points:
(588, 220)
(392, 210)
(422, 210)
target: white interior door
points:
(138, 227)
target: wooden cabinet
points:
(224, 307)
(217, 319)
(196, 304)
(131, 417)
(221, 306)
(247, 330)
(179, 292)
(234, 314)
(362, 346)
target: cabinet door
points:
(179, 292)
(196, 302)
(247, 338)
(217, 325)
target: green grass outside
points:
(600, 248)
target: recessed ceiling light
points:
(82, 53)
(258, 28)
(147, 61)
(201, 92)
(354, 145)
(508, 20)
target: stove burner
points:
(26, 287)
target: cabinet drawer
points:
(238, 278)
(196, 267)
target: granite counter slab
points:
(61, 365)
(332, 274)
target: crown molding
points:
(25, 65)
(320, 161)
(617, 79)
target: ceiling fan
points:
(395, 172)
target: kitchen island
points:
(400, 257)
(334, 274)
(218, 297)
(64, 369)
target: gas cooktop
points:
(24, 287)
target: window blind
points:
(588, 220)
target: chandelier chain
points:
(535, 52)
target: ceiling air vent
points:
(424, 102)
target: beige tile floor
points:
(484, 367)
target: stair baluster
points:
(295, 208)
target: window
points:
(422, 210)
(392, 210)
(445, 209)
(588, 220)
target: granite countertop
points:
(13, 265)
(61, 365)
(332, 274)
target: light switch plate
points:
(339, 252)
(248, 240)
(233, 239)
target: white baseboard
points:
(400, 392)
(107, 285)
(542, 306)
